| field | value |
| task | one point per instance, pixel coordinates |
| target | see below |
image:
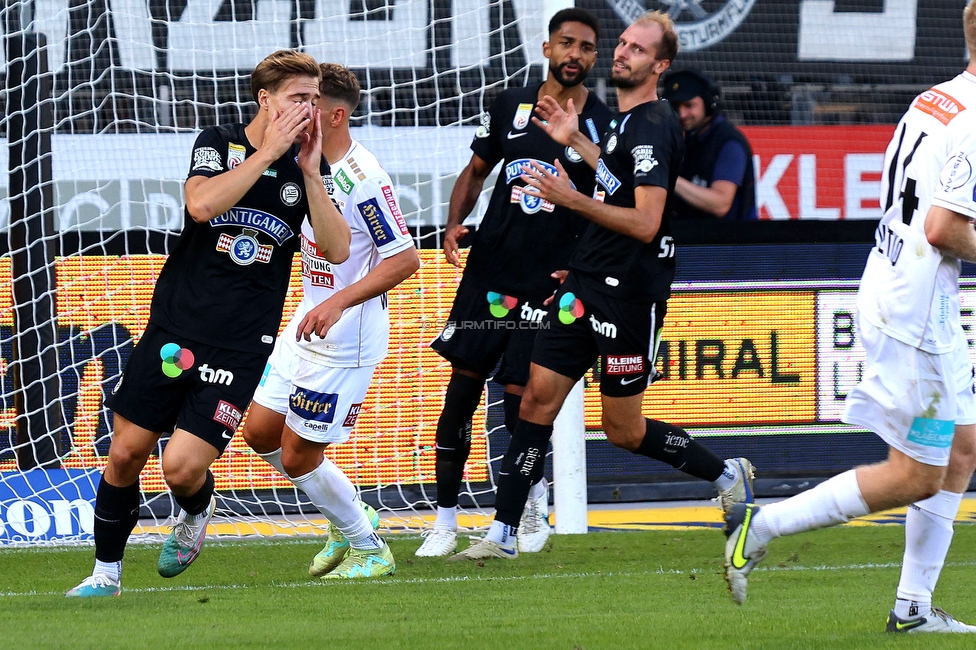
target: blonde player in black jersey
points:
(215, 311)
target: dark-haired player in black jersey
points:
(216, 310)
(521, 242)
(613, 301)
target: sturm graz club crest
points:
(244, 249)
(700, 23)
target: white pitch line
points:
(480, 578)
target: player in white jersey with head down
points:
(917, 390)
(322, 364)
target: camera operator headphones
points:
(683, 85)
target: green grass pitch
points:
(659, 589)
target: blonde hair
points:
(276, 68)
(668, 47)
(969, 28)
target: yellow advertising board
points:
(728, 358)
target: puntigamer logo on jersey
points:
(256, 219)
(605, 178)
(310, 405)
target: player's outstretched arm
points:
(951, 232)
(390, 272)
(332, 233)
(464, 196)
(208, 198)
(563, 127)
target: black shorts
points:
(172, 382)
(485, 326)
(585, 324)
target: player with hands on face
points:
(215, 311)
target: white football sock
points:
(446, 519)
(274, 459)
(728, 476)
(835, 501)
(501, 533)
(538, 490)
(928, 534)
(331, 491)
(110, 569)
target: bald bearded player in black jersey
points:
(612, 304)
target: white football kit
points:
(320, 384)
(918, 380)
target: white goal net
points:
(104, 100)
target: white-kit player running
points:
(917, 390)
(322, 364)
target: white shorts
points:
(320, 403)
(912, 399)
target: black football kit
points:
(217, 304)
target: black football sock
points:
(454, 435)
(512, 404)
(196, 503)
(524, 464)
(116, 514)
(672, 444)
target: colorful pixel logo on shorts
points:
(175, 359)
(501, 304)
(570, 308)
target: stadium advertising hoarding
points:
(47, 505)
(120, 182)
(739, 358)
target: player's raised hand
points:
(543, 183)
(310, 155)
(285, 128)
(451, 238)
(319, 320)
(559, 124)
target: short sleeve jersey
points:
(910, 289)
(644, 146)
(364, 194)
(523, 239)
(225, 282)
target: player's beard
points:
(632, 81)
(566, 81)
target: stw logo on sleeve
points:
(939, 105)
